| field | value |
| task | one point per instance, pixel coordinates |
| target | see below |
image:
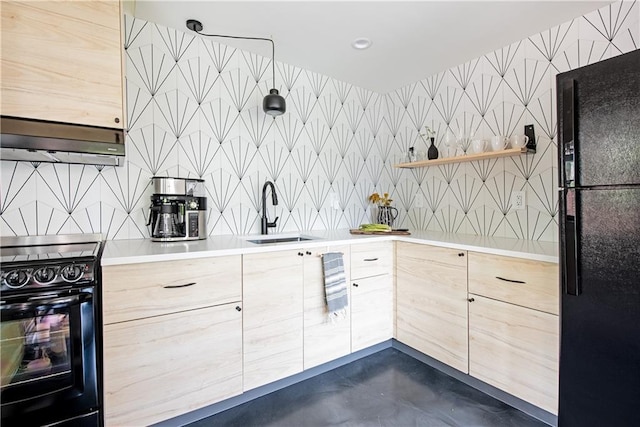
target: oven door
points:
(48, 356)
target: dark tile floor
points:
(387, 388)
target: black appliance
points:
(599, 165)
(51, 333)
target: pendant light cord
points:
(273, 48)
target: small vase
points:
(433, 151)
(386, 215)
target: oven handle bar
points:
(46, 304)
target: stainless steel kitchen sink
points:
(266, 239)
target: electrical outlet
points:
(518, 201)
(419, 201)
(334, 201)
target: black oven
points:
(49, 336)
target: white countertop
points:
(135, 251)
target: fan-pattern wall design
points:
(194, 110)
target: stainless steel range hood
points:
(41, 141)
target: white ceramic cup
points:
(499, 142)
(479, 145)
(519, 141)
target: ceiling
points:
(412, 40)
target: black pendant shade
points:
(273, 104)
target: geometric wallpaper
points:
(194, 110)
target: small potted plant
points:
(386, 213)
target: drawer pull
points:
(238, 308)
(509, 280)
(461, 254)
(370, 259)
(300, 254)
(355, 284)
(308, 253)
(179, 286)
(471, 299)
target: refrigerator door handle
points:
(571, 260)
(567, 136)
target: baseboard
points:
(245, 397)
(526, 407)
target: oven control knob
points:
(72, 272)
(44, 275)
(16, 278)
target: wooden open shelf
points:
(468, 158)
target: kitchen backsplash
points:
(194, 110)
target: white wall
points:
(194, 110)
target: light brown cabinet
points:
(372, 296)
(515, 349)
(514, 327)
(325, 339)
(273, 318)
(172, 337)
(431, 311)
(62, 61)
(160, 367)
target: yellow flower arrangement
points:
(383, 200)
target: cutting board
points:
(392, 232)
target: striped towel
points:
(335, 285)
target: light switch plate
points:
(419, 201)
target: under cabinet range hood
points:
(42, 141)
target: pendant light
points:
(273, 104)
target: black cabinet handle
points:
(509, 280)
(461, 254)
(300, 254)
(238, 308)
(308, 253)
(355, 284)
(179, 286)
(471, 299)
(371, 259)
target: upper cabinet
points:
(62, 61)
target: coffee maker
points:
(178, 209)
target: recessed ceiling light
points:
(361, 43)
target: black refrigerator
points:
(599, 167)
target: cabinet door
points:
(533, 284)
(135, 291)
(431, 294)
(515, 349)
(272, 321)
(164, 366)
(62, 61)
(325, 339)
(371, 311)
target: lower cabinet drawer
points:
(164, 366)
(532, 284)
(135, 291)
(371, 259)
(515, 349)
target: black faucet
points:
(264, 229)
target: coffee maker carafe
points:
(178, 208)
